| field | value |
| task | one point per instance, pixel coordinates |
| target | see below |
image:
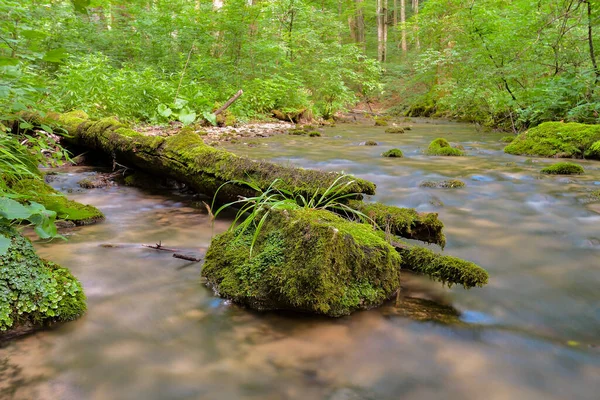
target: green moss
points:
(393, 153)
(405, 222)
(66, 209)
(446, 269)
(595, 195)
(380, 121)
(33, 290)
(441, 147)
(305, 260)
(314, 134)
(446, 184)
(507, 139)
(557, 139)
(395, 129)
(593, 151)
(563, 168)
(297, 132)
(371, 143)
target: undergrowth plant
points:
(254, 211)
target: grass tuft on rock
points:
(393, 153)
(441, 147)
(563, 168)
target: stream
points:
(153, 331)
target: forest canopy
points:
(501, 63)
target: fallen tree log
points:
(186, 158)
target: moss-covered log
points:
(404, 222)
(186, 158)
(448, 270)
(34, 292)
(305, 260)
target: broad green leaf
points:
(4, 244)
(11, 209)
(8, 61)
(210, 117)
(46, 128)
(25, 125)
(56, 55)
(164, 111)
(179, 104)
(81, 5)
(187, 116)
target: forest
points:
(292, 199)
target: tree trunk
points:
(403, 24)
(591, 43)
(416, 12)
(360, 24)
(382, 30)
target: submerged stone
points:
(447, 184)
(34, 292)
(395, 129)
(441, 147)
(304, 260)
(563, 168)
(393, 153)
(558, 139)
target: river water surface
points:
(153, 331)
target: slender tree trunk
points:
(395, 14)
(382, 30)
(415, 5)
(591, 43)
(360, 24)
(403, 24)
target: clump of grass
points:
(254, 211)
(393, 153)
(563, 168)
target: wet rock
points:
(446, 184)
(304, 260)
(395, 153)
(370, 143)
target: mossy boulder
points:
(563, 168)
(381, 121)
(65, 209)
(371, 143)
(441, 147)
(34, 292)
(305, 260)
(394, 129)
(393, 153)
(557, 139)
(445, 184)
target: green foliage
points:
(563, 168)
(556, 139)
(34, 290)
(393, 153)
(441, 147)
(507, 139)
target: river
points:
(153, 331)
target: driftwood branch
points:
(229, 102)
(188, 258)
(159, 246)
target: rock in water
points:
(304, 260)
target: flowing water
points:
(153, 331)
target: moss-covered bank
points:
(304, 260)
(68, 210)
(558, 139)
(34, 292)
